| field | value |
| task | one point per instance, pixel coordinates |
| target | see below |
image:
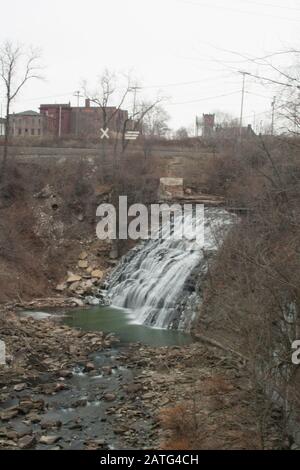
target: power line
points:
(275, 81)
(204, 99)
(257, 94)
(272, 5)
(244, 12)
(46, 97)
(265, 112)
(218, 77)
(167, 85)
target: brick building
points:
(235, 132)
(57, 118)
(88, 120)
(26, 124)
(208, 125)
(62, 119)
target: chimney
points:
(87, 103)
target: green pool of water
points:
(119, 321)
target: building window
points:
(20, 131)
(32, 131)
(26, 131)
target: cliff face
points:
(48, 215)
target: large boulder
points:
(73, 278)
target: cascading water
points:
(153, 281)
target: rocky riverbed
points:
(66, 389)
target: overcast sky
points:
(166, 44)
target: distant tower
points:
(208, 125)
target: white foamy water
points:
(151, 279)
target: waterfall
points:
(154, 281)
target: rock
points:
(45, 193)
(97, 273)
(34, 418)
(79, 403)
(9, 414)
(73, 349)
(48, 389)
(121, 429)
(85, 287)
(100, 442)
(73, 278)
(50, 424)
(66, 374)
(3, 432)
(107, 370)
(74, 286)
(113, 254)
(75, 426)
(113, 262)
(95, 444)
(19, 387)
(60, 387)
(26, 405)
(109, 397)
(77, 302)
(49, 440)
(92, 301)
(83, 255)
(79, 291)
(61, 287)
(12, 435)
(83, 264)
(133, 388)
(89, 367)
(295, 447)
(27, 442)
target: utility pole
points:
(77, 94)
(273, 115)
(254, 121)
(242, 103)
(134, 89)
(295, 118)
(59, 122)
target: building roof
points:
(27, 113)
(56, 105)
(235, 131)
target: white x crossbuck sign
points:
(104, 133)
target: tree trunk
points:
(6, 142)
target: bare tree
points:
(111, 94)
(155, 120)
(106, 92)
(17, 67)
(182, 133)
(225, 120)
